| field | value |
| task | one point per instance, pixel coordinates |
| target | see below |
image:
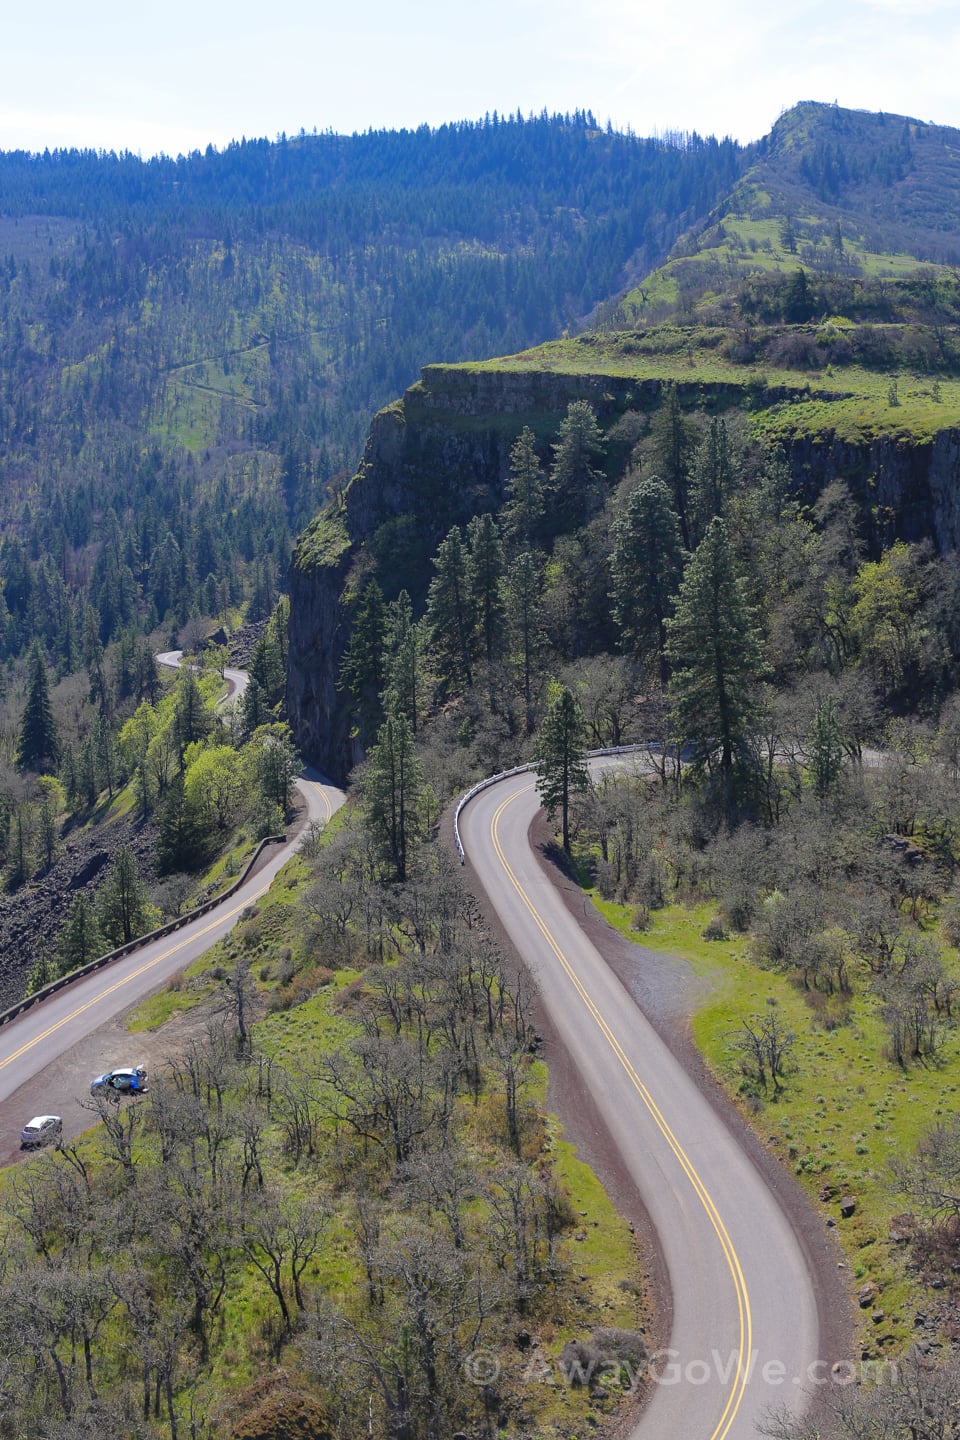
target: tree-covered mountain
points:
(811, 310)
(190, 348)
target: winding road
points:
(745, 1335)
(32, 1080)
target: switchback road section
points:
(745, 1336)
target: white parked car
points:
(41, 1130)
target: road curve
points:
(36, 1039)
(745, 1329)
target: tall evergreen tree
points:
(574, 477)
(645, 568)
(672, 448)
(711, 476)
(391, 789)
(81, 939)
(182, 842)
(713, 646)
(522, 515)
(401, 661)
(484, 575)
(191, 721)
(560, 757)
(448, 619)
(361, 670)
(123, 907)
(38, 740)
(523, 589)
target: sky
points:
(182, 74)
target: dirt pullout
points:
(64, 1087)
(667, 990)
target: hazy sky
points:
(177, 75)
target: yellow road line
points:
(735, 1396)
(134, 974)
(327, 806)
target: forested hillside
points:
(721, 524)
(191, 348)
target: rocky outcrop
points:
(32, 917)
(908, 489)
(439, 455)
(432, 460)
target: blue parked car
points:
(131, 1080)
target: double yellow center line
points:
(745, 1343)
(219, 917)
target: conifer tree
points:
(361, 670)
(391, 788)
(645, 569)
(713, 646)
(523, 588)
(38, 741)
(673, 443)
(523, 514)
(711, 475)
(574, 477)
(81, 939)
(401, 661)
(448, 618)
(123, 908)
(560, 757)
(191, 721)
(484, 574)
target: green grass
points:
(845, 1112)
(849, 401)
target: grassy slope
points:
(845, 1112)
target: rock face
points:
(907, 490)
(439, 456)
(432, 460)
(32, 916)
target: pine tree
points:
(713, 646)
(254, 709)
(645, 569)
(560, 756)
(123, 908)
(711, 476)
(191, 721)
(523, 589)
(673, 443)
(401, 661)
(523, 513)
(391, 787)
(448, 619)
(574, 478)
(182, 842)
(826, 746)
(38, 741)
(361, 670)
(484, 574)
(81, 939)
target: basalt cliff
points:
(440, 454)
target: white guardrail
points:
(521, 770)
